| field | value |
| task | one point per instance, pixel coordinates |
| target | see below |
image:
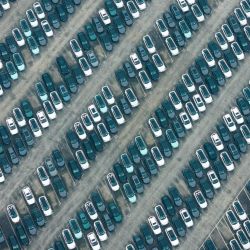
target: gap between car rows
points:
(173, 168)
(41, 63)
(104, 163)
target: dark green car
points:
(89, 29)
(27, 108)
(115, 212)
(98, 201)
(84, 220)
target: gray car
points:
(50, 167)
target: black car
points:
(168, 109)
(134, 153)
(168, 205)
(98, 201)
(231, 59)
(243, 42)
(139, 242)
(96, 141)
(2, 239)
(12, 155)
(223, 132)
(162, 119)
(59, 187)
(212, 85)
(121, 77)
(89, 29)
(108, 222)
(75, 169)
(124, 105)
(220, 170)
(6, 167)
(176, 11)
(129, 69)
(89, 150)
(4, 52)
(218, 76)
(205, 6)
(243, 105)
(150, 165)
(240, 142)
(202, 65)
(58, 245)
(47, 5)
(179, 38)
(71, 83)
(195, 75)
(61, 12)
(234, 24)
(113, 33)
(58, 158)
(182, 92)
(147, 233)
(13, 243)
(143, 174)
(119, 24)
(178, 128)
(215, 49)
(210, 150)
(189, 177)
(106, 41)
(27, 136)
(20, 146)
(37, 216)
(48, 82)
(152, 71)
(179, 226)
(196, 167)
(73, 139)
(168, 18)
(4, 134)
(21, 234)
(62, 66)
(120, 172)
(29, 225)
(233, 151)
(111, 8)
(69, 6)
(5, 80)
(54, 20)
(207, 188)
(110, 124)
(163, 243)
(192, 207)
(78, 74)
(165, 147)
(12, 45)
(83, 41)
(127, 17)
(97, 25)
(27, 108)
(143, 53)
(176, 196)
(40, 36)
(192, 21)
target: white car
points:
(132, 98)
(90, 209)
(18, 37)
(157, 155)
(229, 122)
(208, 57)
(116, 112)
(213, 179)
(239, 210)
(162, 27)
(244, 4)
(94, 113)
(108, 95)
(2, 178)
(112, 181)
(206, 95)
(28, 195)
(82, 160)
(155, 127)
(13, 213)
(199, 103)
(104, 16)
(185, 120)
(217, 141)
(199, 197)
(197, 13)
(11, 126)
(190, 2)
(148, 42)
(188, 82)
(244, 241)
(80, 131)
(159, 63)
(245, 131)
(145, 80)
(141, 4)
(246, 225)
(68, 239)
(42, 118)
(103, 132)
(56, 100)
(227, 32)
(49, 109)
(183, 5)
(119, 3)
(133, 9)
(227, 161)
(136, 61)
(86, 68)
(35, 128)
(43, 176)
(88, 124)
(100, 230)
(45, 205)
(5, 4)
(172, 237)
(186, 217)
(225, 69)
(240, 16)
(238, 51)
(232, 219)
(172, 46)
(47, 28)
(38, 10)
(32, 18)
(202, 158)
(193, 113)
(238, 117)
(93, 241)
(174, 98)
(19, 117)
(161, 215)
(76, 48)
(154, 225)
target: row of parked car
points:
(34, 31)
